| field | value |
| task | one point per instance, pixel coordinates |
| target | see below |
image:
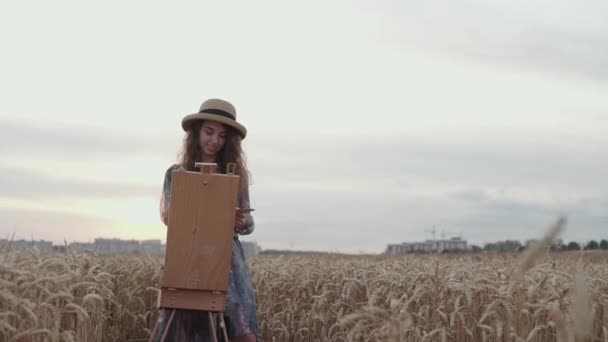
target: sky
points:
(369, 122)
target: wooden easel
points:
(199, 244)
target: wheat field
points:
(476, 297)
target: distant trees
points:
(557, 245)
(503, 246)
(529, 243)
(592, 245)
(573, 246)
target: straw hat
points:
(216, 110)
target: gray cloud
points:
(472, 195)
(26, 184)
(369, 192)
(507, 35)
(495, 219)
(20, 138)
(353, 222)
(405, 161)
(360, 193)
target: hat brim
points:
(188, 119)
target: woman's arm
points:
(244, 203)
(165, 198)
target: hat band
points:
(218, 112)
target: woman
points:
(214, 136)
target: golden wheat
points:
(478, 297)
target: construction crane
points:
(432, 231)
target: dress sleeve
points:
(165, 198)
(244, 202)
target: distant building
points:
(81, 247)
(105, 246)
(428, 246)
(41, 245)
(109, 246)
(152, 246)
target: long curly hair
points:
(231, 152)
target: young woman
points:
(214, 136)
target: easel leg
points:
(223, 325)
(179, 332)
(162, 339)
(188, 327)
(212, 325)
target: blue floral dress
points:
(241, 309)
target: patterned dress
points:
(240, 314)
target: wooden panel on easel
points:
(200, 231)
(193, 300)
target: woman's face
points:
(212, 138)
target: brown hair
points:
(231, 152)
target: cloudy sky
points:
(369, 122)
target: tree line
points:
(558, 245)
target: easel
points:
(199, 244)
